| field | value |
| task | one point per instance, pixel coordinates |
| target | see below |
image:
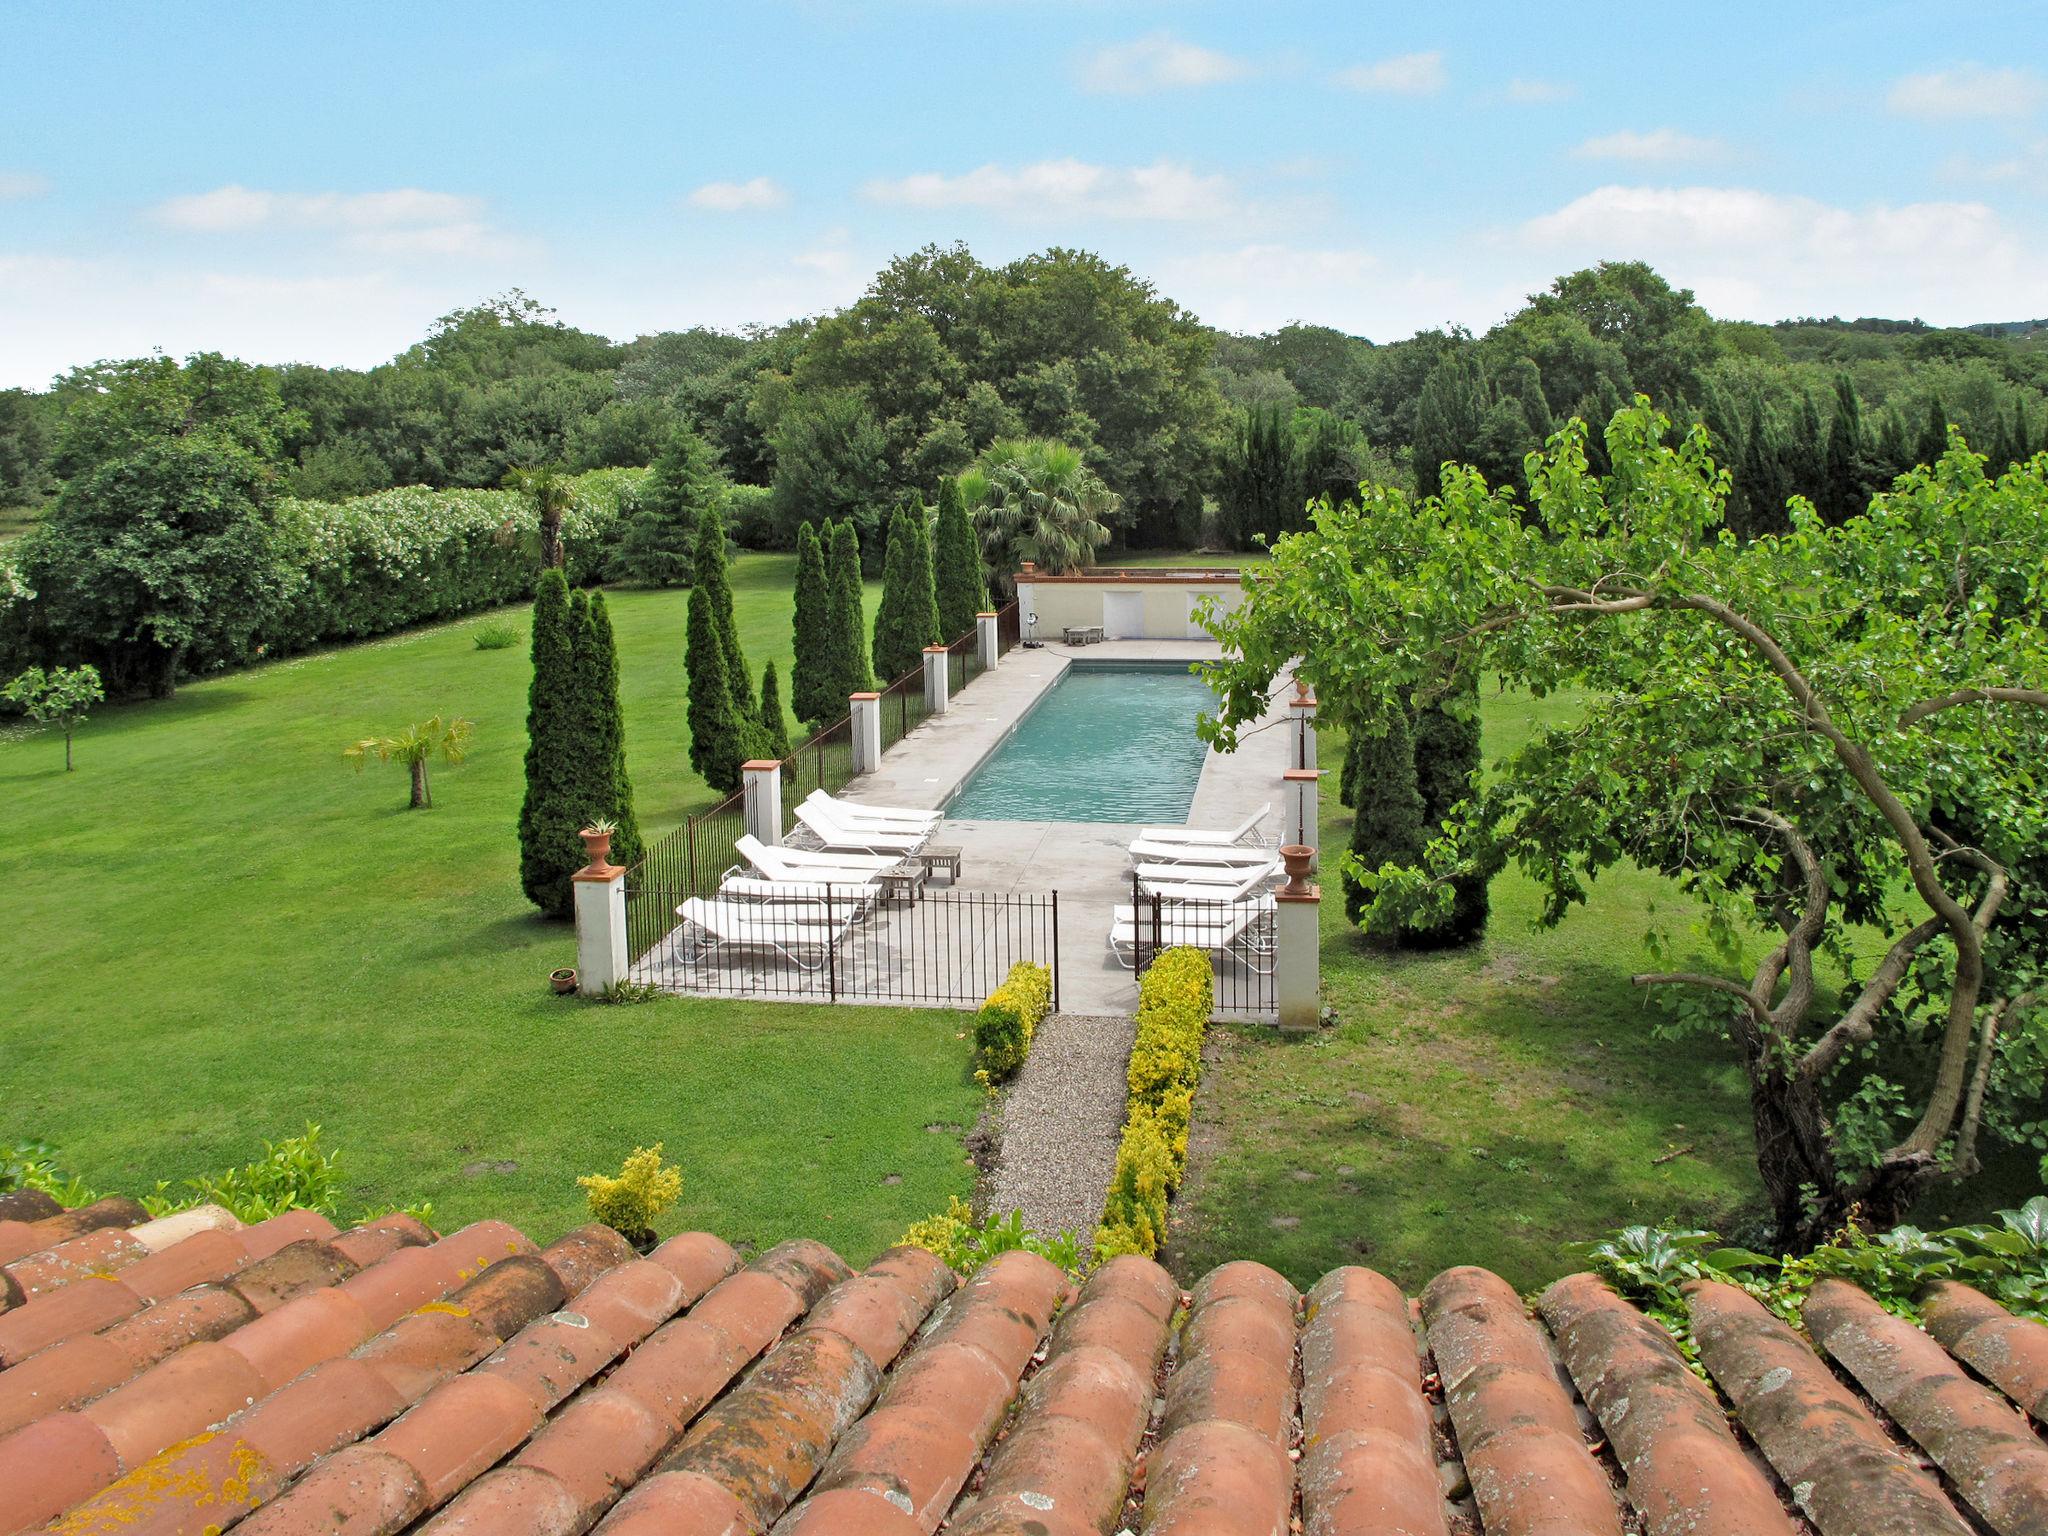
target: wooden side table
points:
(904, 883)
(942, 859)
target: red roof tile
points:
(284, 1378)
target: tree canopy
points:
(1820, 735)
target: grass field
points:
(221, 932)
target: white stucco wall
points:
(1163, 604)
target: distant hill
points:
(2009, 330)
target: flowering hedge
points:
(1174, 1001)
(1004, 1026)
(406, 556)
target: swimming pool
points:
(1110, 741)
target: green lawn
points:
(221, 932)
(1485, 1106)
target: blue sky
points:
(319, 183)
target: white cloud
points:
(402, 222)
(1659, 145)
(1540, 93)
(1762, 256)
(17, 185)
(1158, 62)
(762, 192)
(1969, 90)
(1406, 74)
(1165, 190)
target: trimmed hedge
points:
(1174, 1001)
(408, 556)
(1003, 1028)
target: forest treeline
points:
(1202, 435)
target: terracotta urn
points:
(1296, 858)
(597, 845)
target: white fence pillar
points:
(866, 709)
(1303, 708)
(986, 641)
(600, 922)
(1298, 957)
(1301, 808)
(1027, 607)
(936, 677)
(763, 781)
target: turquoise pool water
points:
(1108, 742)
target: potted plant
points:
(597, 839)
(563, 980)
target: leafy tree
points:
(549, 817)
(848, 617)
(817, 676)
(1448, 416)
(773, 724)
(1447, 758)
(1035, 499)
(718, 722)
(417, 745)
(1839, 727)
(831, 462)
(620, 433)
(1665, 337)
(24, 447)
(956, 565)
(1386, 825)
(61, 696)
(659, 539)
(601, 728)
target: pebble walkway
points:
(1061, 1122)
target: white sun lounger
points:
(854, 814)
(710, 927)
(1148, 850)
(1207, 890)
(818, 897)
(1236, 928)
(838, 837)
(1246, 831)
(1206, 874)
(810, 863)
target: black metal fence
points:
(903, 706)
(1009, 625)
(943, 949)
(1237, 933)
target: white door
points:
(1195, 630)
(1123, 615)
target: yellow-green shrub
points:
(642, 1190)
(1003, 1028)
(1174, 1000)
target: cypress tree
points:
(1934, 433)
(1844, 477)
(598, 679)
(925, 582)
(848, 617)
(717, 738)
(713, 578)
(549, 850)
(1763, 483)
(956, 565)
(657, 544)
(1387, 827)
(1805, 453)
(897, 648)
(1447, 752)
(1893, 449)
(815, 681)
(773, 729)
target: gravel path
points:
(1061, 1122)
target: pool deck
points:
(1086, 862)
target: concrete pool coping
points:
(1088, 863)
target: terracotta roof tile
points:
(1985, 1445)
(284, 1378)
(2009, 1352)
(27, 1205)
(1842, 1469)
(1687, 1476)
(1531, 1471)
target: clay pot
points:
(597, 845)
(1296, 858)
(563, 981)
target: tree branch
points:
(1855, 1025)
(1759, 1015)
(1918, 712)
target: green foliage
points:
(1788, 727)
(963, 1244)
(61, 696)
(1036, 499)
(831, 463)
(415, 747)
(606, 791)
(1278, 460)
(2007, 1260)
(550, 816)
(1174, 1000)
(1447, 758)
(901, 621)
(923, 605)
(629, 1202)
(847, 619)
(956, 565)
(774, 724)
(657, 543)
(495, 636)
(719, 726)
(817, 674)
(1004, 1025)
(1387, 829)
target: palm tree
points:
(1036, 499)
(414, 746)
